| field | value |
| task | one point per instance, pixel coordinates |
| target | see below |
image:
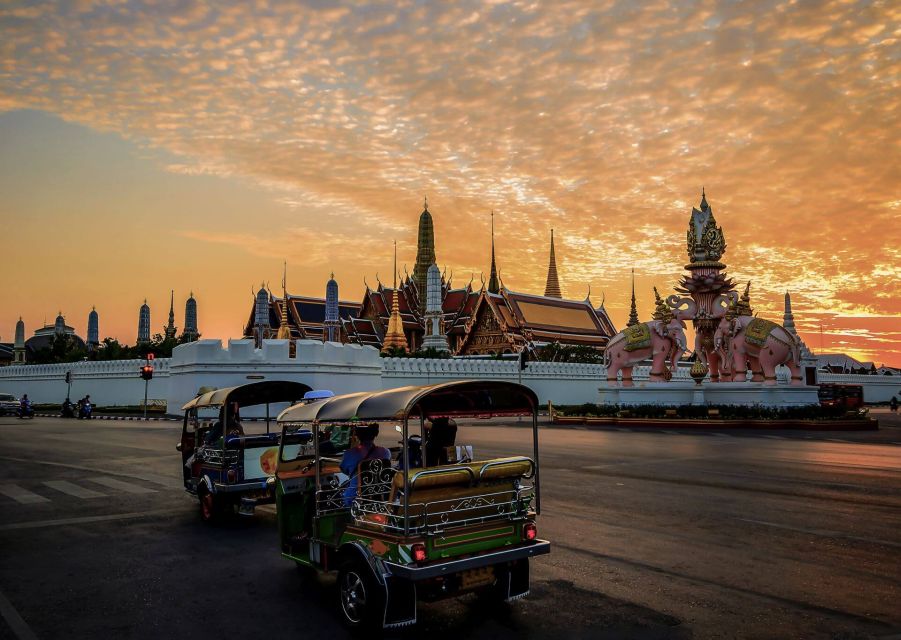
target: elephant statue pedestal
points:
(678, 393)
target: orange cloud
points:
(601, 120)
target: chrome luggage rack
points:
(374, 503)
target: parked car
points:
(9, 404)
(458, 524)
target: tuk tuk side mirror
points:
(178, 447)
(398, 428)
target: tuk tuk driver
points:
(233, 425)
(367, 449)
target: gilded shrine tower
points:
(706, 282)
(425, 255)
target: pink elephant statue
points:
(715, 359)
(660, 340)
(762, 344)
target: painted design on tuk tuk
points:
(410, 533)
(223, 466)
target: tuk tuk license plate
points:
(472, 578)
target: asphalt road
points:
(656, 535)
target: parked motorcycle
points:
(68, 409)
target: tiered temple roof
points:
(306, 316)
(507, 321)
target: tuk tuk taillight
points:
(529, 531)
(419, 554)
(232, 475)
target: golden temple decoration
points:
(395, 338)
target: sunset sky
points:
(146, 146)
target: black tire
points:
(361, 600)
(212, 508)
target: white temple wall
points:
(109, 383)
(340, 368)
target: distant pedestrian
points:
(893, 404)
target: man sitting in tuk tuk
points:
(367, 449)
(232, 422)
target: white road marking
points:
(20, 495)
(624, 430)
(18, 626)
(171, 483)
(73, 489)
(774, 437)
(722, 435)
(118, 485)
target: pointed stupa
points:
(284, 330)
(633, 311)
(493, 281)
(425, 253)
(788, 321)
(191, 333)
(144, 323)
(19, 344)
(332, 331)
(93, 327)
(552, 288)
(395, 337)
(170, 325)
(435, 337)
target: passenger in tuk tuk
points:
(441, 437)
(367, 449)
(233, 425)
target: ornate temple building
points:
(488, 320)
(299, 317)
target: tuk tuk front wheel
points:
(359, 596)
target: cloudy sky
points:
(153, 145)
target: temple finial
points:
(493, 281)
(633, 311)
(425, 203)
(704, 205)
(552, 286)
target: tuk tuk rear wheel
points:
(359, 596)
(211, 508)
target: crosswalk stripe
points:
(126, 487)
(20, 495)
(73, 489)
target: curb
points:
(138, 418)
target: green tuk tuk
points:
(397, 532)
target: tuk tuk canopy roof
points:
(465, 398)
(248, 395)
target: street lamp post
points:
(147, 374)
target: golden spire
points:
(552, 288)
(633, 311)
(662, 312)
(395, 338)
(284, 331)
(493, 282)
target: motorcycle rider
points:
(25, 408)
(86, 408)
(68, 410)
